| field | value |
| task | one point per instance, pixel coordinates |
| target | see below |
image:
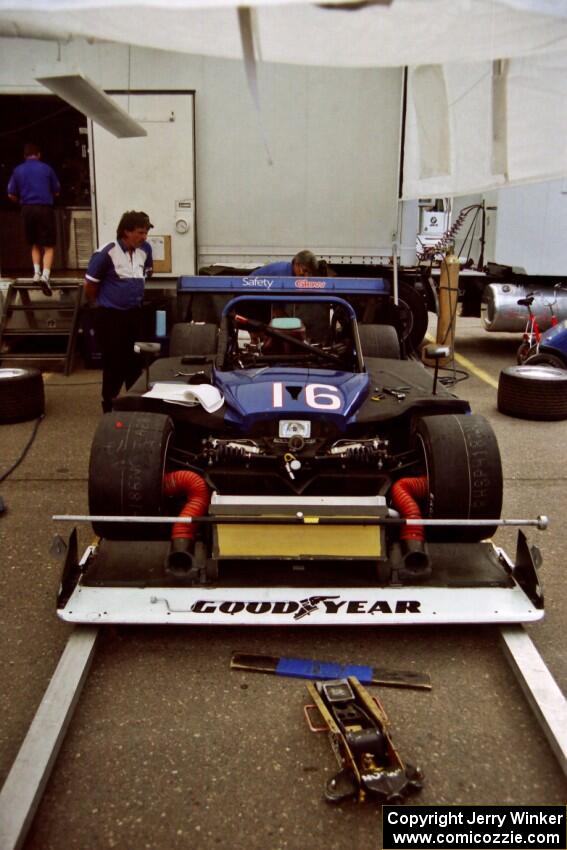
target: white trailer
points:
(203, 172)
(316, 166)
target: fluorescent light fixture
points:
(88, 98)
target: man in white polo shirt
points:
(115, 279)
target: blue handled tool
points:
(307, 668)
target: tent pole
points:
(398, 233)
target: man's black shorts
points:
(39, 224)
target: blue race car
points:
(288, 465)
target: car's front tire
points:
(464, 474)
(127, 465)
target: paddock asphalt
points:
(169, 748)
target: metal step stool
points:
(35, 327)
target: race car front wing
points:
(123, 582)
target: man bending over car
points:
(304, 264)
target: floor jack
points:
(358, 731)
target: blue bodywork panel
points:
(297, 285)
(264, 394)
(555, 338)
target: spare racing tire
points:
(126, 470)
(21, 395)
(189, 338)
(464, 474)
(533, 392)
(379, 341)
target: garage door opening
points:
(61, 133)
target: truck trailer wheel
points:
(379, 341)
(414, 314)
(126, 470)
(21, 395)
(188, 338)
(464, 474)
(533, 392)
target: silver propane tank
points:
(500, 310)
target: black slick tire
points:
(21, 395)
(464, 473)
(187, 338)
(545, 358)
(533, 392)
(127, 465)
(379, 341)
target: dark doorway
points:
(61, 133)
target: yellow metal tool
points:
(360, 739)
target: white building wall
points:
(333, 136)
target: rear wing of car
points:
(268, 283)
(283, 296)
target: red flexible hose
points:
(404, 494)
(187, 483)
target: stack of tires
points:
(21, 395)
(533, 392)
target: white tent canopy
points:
(381, 33)
(487, 80)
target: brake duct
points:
(193, 487)
(404, 495)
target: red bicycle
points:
(532, 332)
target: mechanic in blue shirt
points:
(115, 279)
(34, 185)
(304, 264)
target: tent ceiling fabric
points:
(487, 78)
(506, 123)
(404, 32)
(469, 127)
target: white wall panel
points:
(333, 136)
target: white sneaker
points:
(45, 286)
(36, 277)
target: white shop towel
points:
(206, 395)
